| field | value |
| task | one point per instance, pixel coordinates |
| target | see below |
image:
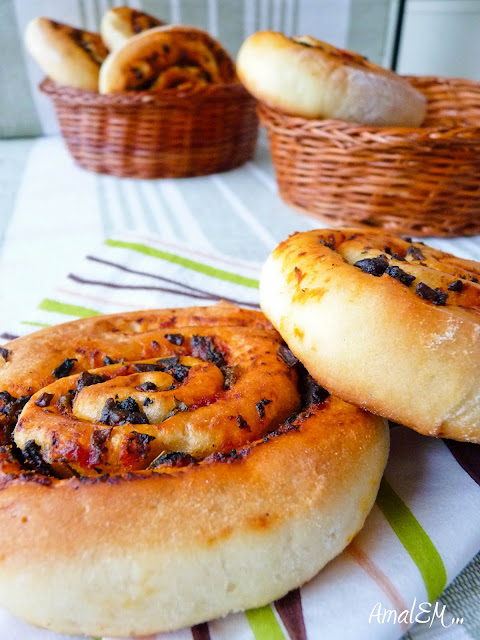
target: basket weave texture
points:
(166, 134)
(418, 181)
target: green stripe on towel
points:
(42, 325)
(206, 269)
(263, 624)
(67, 309)
(414, 538)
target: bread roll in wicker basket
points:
(164, 134)
(419, 181)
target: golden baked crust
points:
(121, 23)
(167, 57)
(305, 77)
(68, 56)
(188, 535)
(390, 325)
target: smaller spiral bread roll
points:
(305, 77)
(167, 57)
(121, 23)
(69, 56)
(390, 325)
(163, 468)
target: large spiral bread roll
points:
(305, 77)
(388, 324)
(167, 57)
(162, 468)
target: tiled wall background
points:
(441, 37)
(371, 29)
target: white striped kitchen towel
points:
(391, 575)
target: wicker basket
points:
(157, 135)
(419, 181)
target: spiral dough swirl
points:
(186, 444)
(387, 323)
(165, 58)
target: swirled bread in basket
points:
(388, 324)
(121, 23)
(305, 77)
(145, 54)
(68, 56)
(162, 468)
(167, 57)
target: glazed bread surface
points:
(69, 56)
(167, 57)
(390, 325)
(121, 23)
(266, 479)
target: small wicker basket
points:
(167, 134)
(418, 181)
